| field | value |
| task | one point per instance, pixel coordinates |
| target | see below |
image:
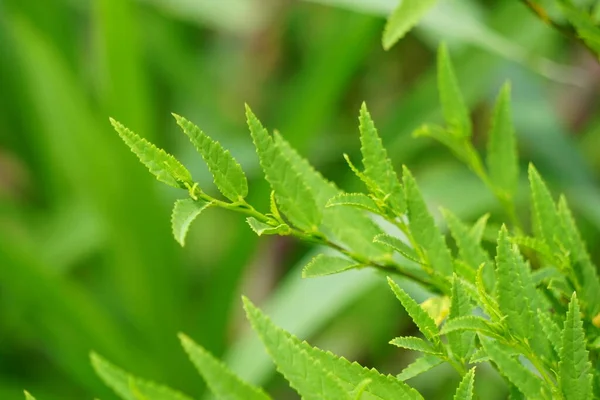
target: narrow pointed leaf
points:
(455, 111)
(293, 196)
(469, 247)
(502, 158)
(546, 223)
(28, 396)
(223, 383)
(419, 366)
(397, 245)
(378, 167)
(587, 29)
(406, 15)
(414, 343)
(326, 265)
(574, 368)
(129, 387)
(184, 213)
(261, 228)
(423, 228)
(164, 166)
(461, 343)
(290, 350)
(478, 228)
(551, 330)
(359, 200)
(529, 384)
(420, 317)
(465, 388)
(469, 323)
(227, 173)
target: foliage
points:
(535, 332)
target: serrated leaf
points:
(351, 226)
(28, 396)
(469, 247)
(261, 228)
(538, 245)
(529, 384)
(129, 387)
(456, 113)
(397, 245)
(574, 367)
(404, 17)
(378, 167)
(184, 213)
(502, 157)
(223, 383)
(465, 388)
(423, 228)
(226, 171)
(326, 265)
(460, 343)
(164, 166)
(414, 343)
(512, 295)
(481, 356)
(350, 375)
(419, 366)
(358, 200)
(293, 196)
(551, 329)
(469, 323)
(546, 224)
(586, 273)
(420, 317)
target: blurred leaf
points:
(586, 27)
(456, 113)
(327, 265)
(28, 396)
(406, 15)
(184, 213)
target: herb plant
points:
(532, 310)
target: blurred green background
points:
(87, 261)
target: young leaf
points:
(455, 111)
(184, 213)
(419, 366)
(227, 173)
(260, 228)
(223, 383)
(358, 200)
(406, 15)
(297, 357)
(465, 388)
(164, 166)
(129, 387)
(469, 323)
(469, 247)
(378, 167)
(414, 343)
(529, 384)
(546, 224)
(397, 245)
(293, 196)
(421, 318)
(478, 228)
(502, 158)
(460, 343)
(574, 366)
(28, 396)
(423, 229)
(326, 265)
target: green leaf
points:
(502, 157)
(423, 229)
(326, 265)
(223, 383)
(184, 213)
(351, 226)
(293, 196)
(546, 223)
(378, 167)
(261, 228)
(455, 144)
(469, 247)
(414, 343)
(28, 396)
(465, 388)
(454, 109)
(406, 15)
(574, 367)
(129, 387)
(227, 173)
(421, 318)
(551, 330)
(512, 295)
(469, 323)
(314, 370)
(460, 343)
(397, 245)
(164, 166)
(478, 228)
(528, 383)
(587, 29)
(358, 200)
(419, 366)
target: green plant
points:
(533, 311)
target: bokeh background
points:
(87, 261)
